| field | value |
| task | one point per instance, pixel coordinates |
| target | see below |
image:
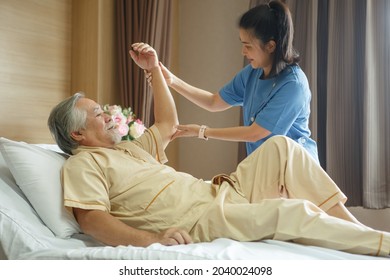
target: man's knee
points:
(278, 146)
(279, 141)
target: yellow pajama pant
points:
(279, 192)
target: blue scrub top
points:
(280, 104)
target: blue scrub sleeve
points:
(234, 91)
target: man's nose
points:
(107, 118)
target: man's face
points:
(100, 130)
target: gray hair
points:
(64, 119)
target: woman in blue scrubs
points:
(272, 88)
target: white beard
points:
(116, 137)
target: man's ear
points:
(77, 136)
(270, 46)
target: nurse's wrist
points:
(201, 133)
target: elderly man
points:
(121, 193)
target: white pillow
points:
(37, 172)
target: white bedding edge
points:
(219, 249)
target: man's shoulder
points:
(84, 153)
(95, 158)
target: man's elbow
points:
(167, 128)
(83, 218)
(171, 130)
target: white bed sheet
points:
(24, 236)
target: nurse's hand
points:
(186, 130)
(168, 76)
(174, 236)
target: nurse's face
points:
(258, 54)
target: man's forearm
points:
(110, 231)
(165, 112)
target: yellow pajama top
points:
(131, 183)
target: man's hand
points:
(144, 56)
(174, 236)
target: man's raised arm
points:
(165, 113)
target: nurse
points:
(272, 89)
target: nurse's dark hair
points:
(272, 21)
(64, 119)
